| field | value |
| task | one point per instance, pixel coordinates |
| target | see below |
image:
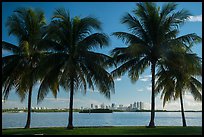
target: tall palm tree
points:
(178, 77)
(18, 68)
(153, 33)
(71, 62)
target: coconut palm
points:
(18, 68)
(178, 77)
(72, 63)
(153, 33)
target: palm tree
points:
(153, 34)
(178, 77)
(71, 62)
(18, 69)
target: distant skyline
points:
(110, 14)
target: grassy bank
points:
(123, 130)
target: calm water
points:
(100, 119)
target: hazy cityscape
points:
(131, 107)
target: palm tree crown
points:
(18, 69)
(71, 62)
(179, 76)
(154, 33)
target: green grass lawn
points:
(121, 130)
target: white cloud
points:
(58, 99)
(147, 105)
(118, 79)
(57, 103)
(145, 78)
(92, 101)
(93, 91)
(189, 104)
(140, 90)
(149, 88)
(12, 104)
(195, 18)
(89, 90)
(77, 101)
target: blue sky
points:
(109, 13)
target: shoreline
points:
(102, 112)
(90, 127)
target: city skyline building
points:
(137, 105)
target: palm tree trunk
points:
(151, 123)
(29, 108)
(182, 111)
(70, 125)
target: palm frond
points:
(167, 8)
(179, 17)
(89, 23)
(10, 47)
(101, 78)
(49, 82)
(190, 38)
(117, 51)
(118, 72)
(6, 89)
(134, 26)
(94, 40)
(61, 13)
(197, 83)
(195, 92)
(138, 68)
(129, 38)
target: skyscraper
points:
(138, 105)
(134, 105)
(141, 105)
(102, 106)
(113, 106)
(131, 106)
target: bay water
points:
(60, 119)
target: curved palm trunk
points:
(151, 123)
(70, 125)
(29, 109)
(182, 111)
